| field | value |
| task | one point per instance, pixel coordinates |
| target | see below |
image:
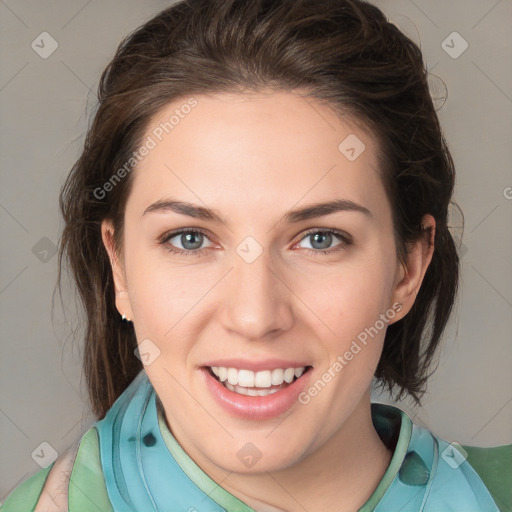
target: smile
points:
(256, 395)
(262, 383)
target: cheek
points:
(353, 311)
(162, 298)
(349, 302)
(338, 300)
(349, 297)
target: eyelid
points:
(345, 240)
(168, 235)
(343, 235)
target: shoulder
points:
(46, 490)
(432, 474)
(494, 467)
(74, 481)
(54, 495)
(471, 477)
(26, 494)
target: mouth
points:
(256, 390)
(260, 383)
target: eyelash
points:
(346, 241)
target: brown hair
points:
(343, 52)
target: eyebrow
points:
(291, 217)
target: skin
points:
(54, 496)
(253, 158)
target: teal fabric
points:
(130, 461)
(426, 473)
(140, 473)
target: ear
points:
(410, 276)
(122, 297)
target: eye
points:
(321, 240)
(190, 239)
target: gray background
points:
(45, 106)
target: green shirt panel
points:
(494, 467)
(87, 484)
(26, 495)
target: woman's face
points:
(257, 290)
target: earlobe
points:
(410, 276)
(118, 273)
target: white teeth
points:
(246, 378)
(262, 379)
(277, 376)
(289, 375)
(232, 376)
(250, 391)
(223, 374)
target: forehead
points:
(255, 151)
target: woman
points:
(258, 229)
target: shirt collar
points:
(391, 423)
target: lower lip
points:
(255, 407)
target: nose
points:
(256, 303)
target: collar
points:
(146, 469)
(392, 424)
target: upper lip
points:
(256, 366)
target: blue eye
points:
(192, 239)
(325, 238)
